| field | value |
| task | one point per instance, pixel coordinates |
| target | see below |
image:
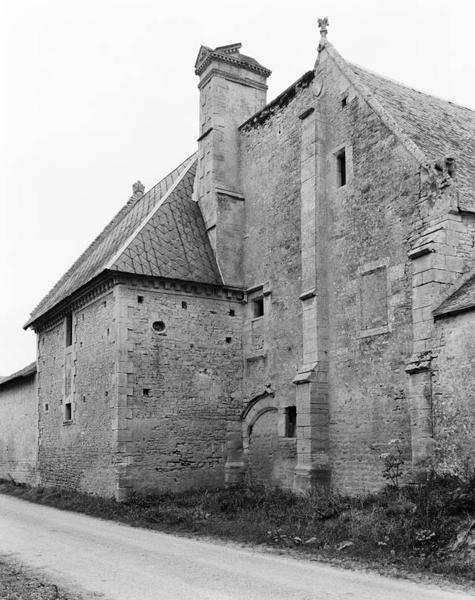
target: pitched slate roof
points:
(438, 127)
(27, 371)
(161, 233)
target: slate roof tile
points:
(156, 234)
(438, 127)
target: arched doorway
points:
(263, 447)
(261, 438)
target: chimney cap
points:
(228, 54)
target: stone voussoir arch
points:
(260, 404)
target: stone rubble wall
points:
(270, 163)
(369, 220)
(453, 393)
(369, 283)
(182, 397)
(78, 454)
(19, 430)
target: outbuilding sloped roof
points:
(27, 371)
(438, 127)
(160, 233)
(459, 298)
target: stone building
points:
(289, 299)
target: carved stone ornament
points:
(138, 187)
(323, 24)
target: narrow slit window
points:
(68, 413)
(341, 168)
(258, 307)
(69, 329)
(291, 421)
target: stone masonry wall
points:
(270, 163)
(369, 274)
(77, 453)
(369, 282)
(453, 392)
(183, 385)
(19, 430)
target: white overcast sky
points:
(95, 94)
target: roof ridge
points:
(409, 87)
(378, 108)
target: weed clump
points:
(410, 526)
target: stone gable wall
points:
(369, 223)
(78, 454)
(182, 398)
(19, 430)
(369, 284)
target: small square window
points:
(258, 307)
(341, 168)
(140, 299)
(68, 413)
(69, 329)
(291, 421)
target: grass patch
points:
(410, 528)
(18, 583)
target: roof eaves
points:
(24, 373)
(61, 305)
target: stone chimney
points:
(232, 88)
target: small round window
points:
(158, 326)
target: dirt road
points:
(119, 562)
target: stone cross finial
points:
(138, 188)
(323, 24)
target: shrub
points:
(393, 461)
